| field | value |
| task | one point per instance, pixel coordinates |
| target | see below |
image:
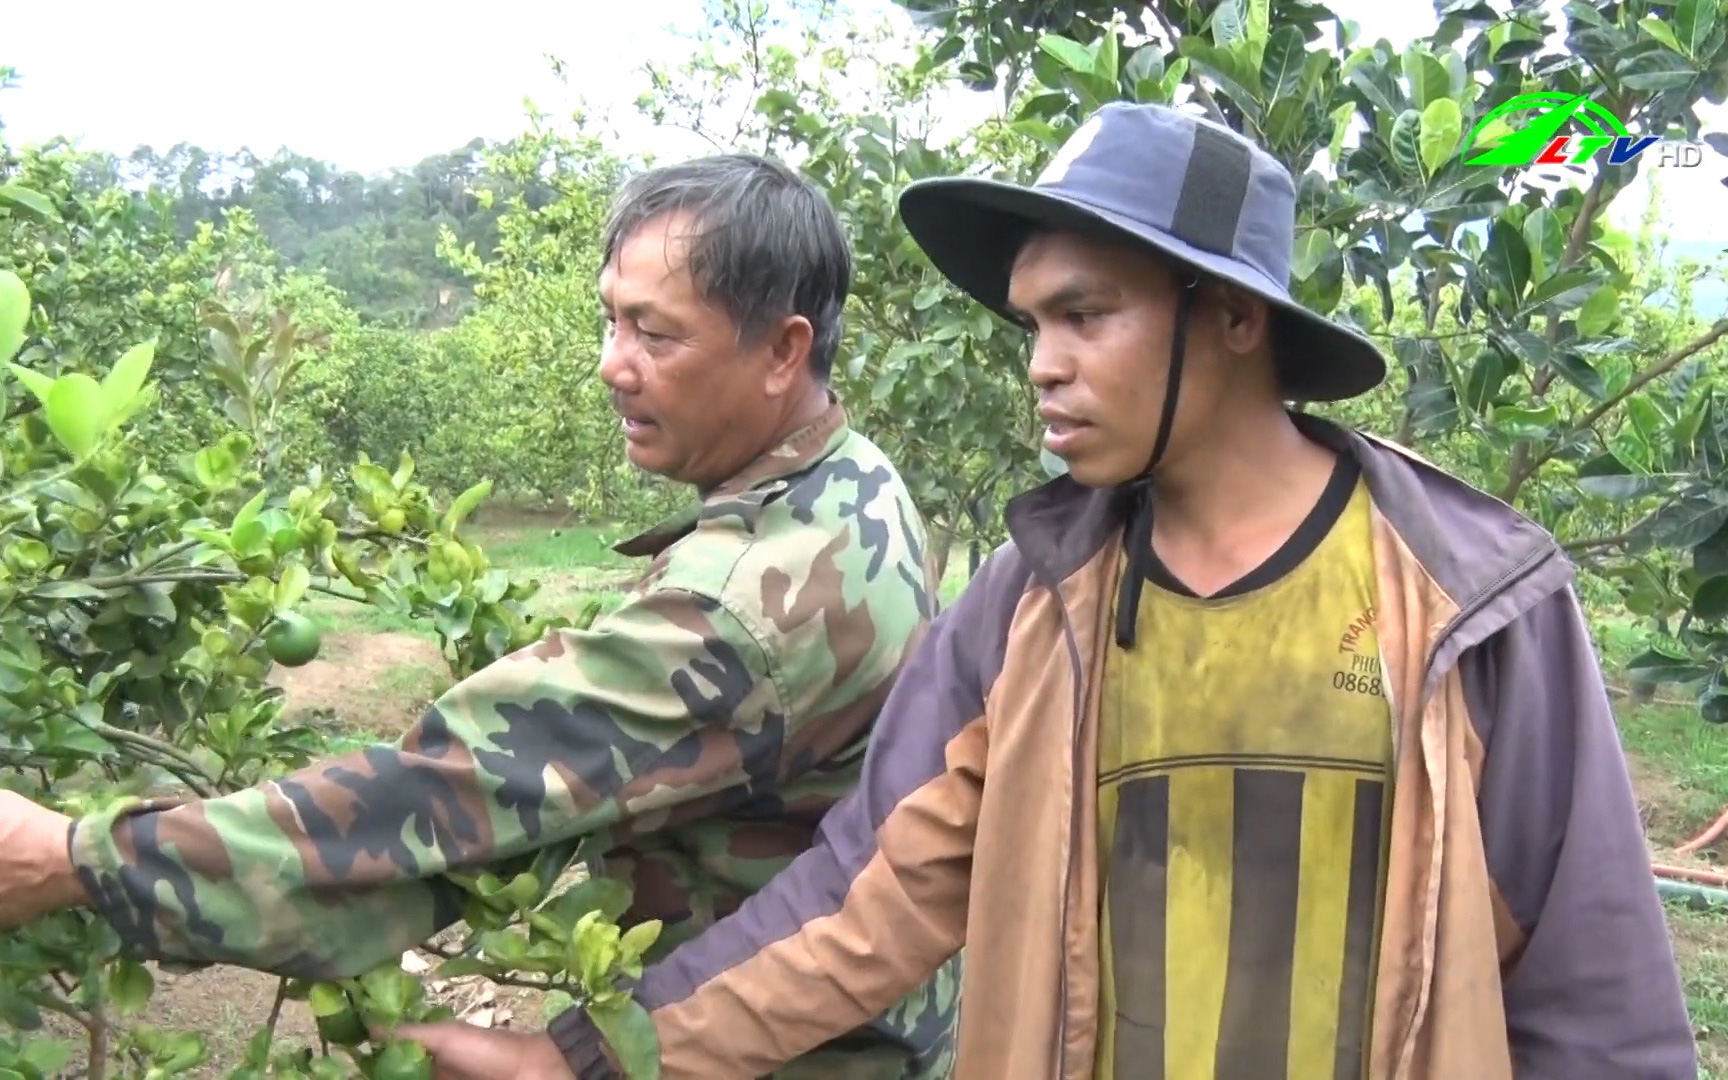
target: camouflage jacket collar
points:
(753, 484)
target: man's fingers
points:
(458, 1050)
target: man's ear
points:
(1244, 320)
(789, 353)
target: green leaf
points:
(1229, 23)
(1600, 312)
(1375, 84)
(464, 504)
(1070, 54)
(1710, 558)
(1578, 371)
(639, 939)
(1286, 55)
(1661, 666)
(1522, 423)
(31, 202)
(1107, 63)
(1405, 143)
(1313, 248)
(1545, 239)
(125, 380)
(372, 479)
(1485, 379)
(389, 992)
(402, 1059)
(630, 1032)
(77, 413)
(1224, 67)
(1442, 127)
(292, 586)
(1341, 116)
(249, 512)
(523, 890)
(1655, 71)
(1564, 291)
(1658, 29)
(463, 965)
(1173, 76)
(1685, 523)
(1507, 260)
(66, 590)
(1646, 418)
(1693, 22)
(1145, 64)
(1429, 80)
(608, 896)
(14, 313)
(46, 1055)
(130, 985)
(1710, 599)
(556, 1003)
(1623, 488)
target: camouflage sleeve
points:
(336, 868)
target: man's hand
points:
(462, 1051)
(36, 873)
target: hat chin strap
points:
(1140, 487)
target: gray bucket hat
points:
(1184, 185)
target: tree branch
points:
(57, 1004)
(1595, 542)
(1200, 90)
(155, 747)
(166, 554)
(1575, 242)
(1524, 463)
(1651, 374)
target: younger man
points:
(1264, 749)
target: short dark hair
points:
(766, 242)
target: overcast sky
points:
(371, 84)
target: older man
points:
(699, 732)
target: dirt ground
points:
(228, 1005)
(373, 682)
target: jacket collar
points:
(747, 490)
(1469, 542)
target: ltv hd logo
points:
(1541, 140)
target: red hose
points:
(1686, 873)
(1707, 837)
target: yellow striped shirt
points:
(1244, 771)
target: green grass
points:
(1689, 755)
(571, 548)
(1701, 939)
(1682, 764)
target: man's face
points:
(1102, 317)
(696, 402)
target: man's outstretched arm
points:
(865, 915)
(336, 868)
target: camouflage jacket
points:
(696, 735)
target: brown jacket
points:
(1523, 936)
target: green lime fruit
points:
(293, 640)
